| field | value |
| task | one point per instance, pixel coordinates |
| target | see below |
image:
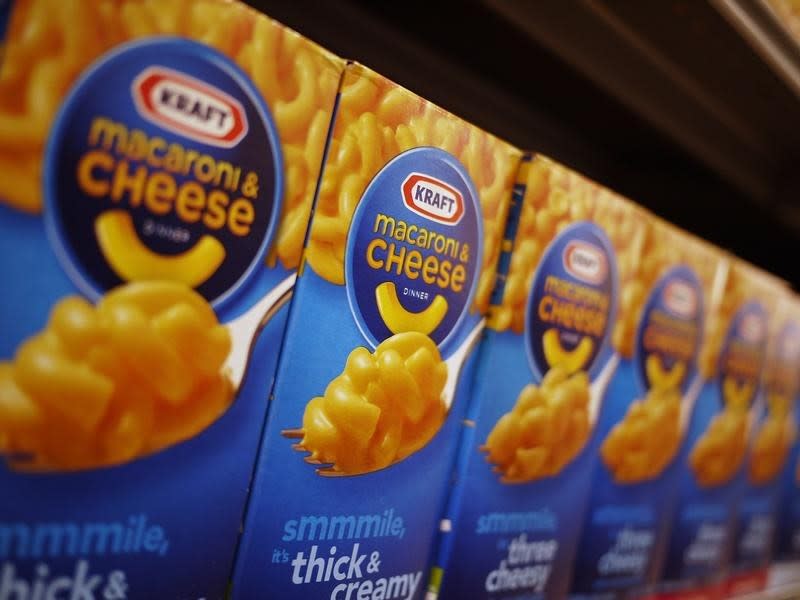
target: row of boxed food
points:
(273, 326)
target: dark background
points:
(665, 101)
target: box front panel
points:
(712, 479)
(381, 340)
(555, 336)
(642, 425)
(156, 183)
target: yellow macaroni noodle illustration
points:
(642, 445)
(661, 378)
(544, 431)
(102, 385)
(133, 261)
(383, 407)
(571, 360)
(400, 320)
(737, 395)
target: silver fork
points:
(597, 389)
(244, 329)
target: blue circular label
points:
(742, 355)
(572, 303)
(414, 248)
(164, 163)
(670, 330)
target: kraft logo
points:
(752, 328)
(189, 107)
(585, 261)
(433, 199)
(680, 298)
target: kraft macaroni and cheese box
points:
(713, 453)
(643, 419)
(373, 381)
(787, 538)
(772, 435)
(158, 162)
(530, 443)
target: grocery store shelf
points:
(682, 67)
(761, 27)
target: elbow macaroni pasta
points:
(400, 320)
(642, 445)
(662, 378)
(383, 407)
(719, 452)
(133, 261)
(544, 431)
(49, 44)
(102, 385)
(721, 449)
(376, 122)
(571, 360)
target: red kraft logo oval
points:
(586, 262)
(189, 107)
(681, 299)
(433, 199)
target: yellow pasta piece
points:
(131, 260)
(105, 384)
(383, 407)
(659, 377)
(544, 431)
(571, 360)
(643, 444)
(400, 320)
(737, 395)
(719, 452)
